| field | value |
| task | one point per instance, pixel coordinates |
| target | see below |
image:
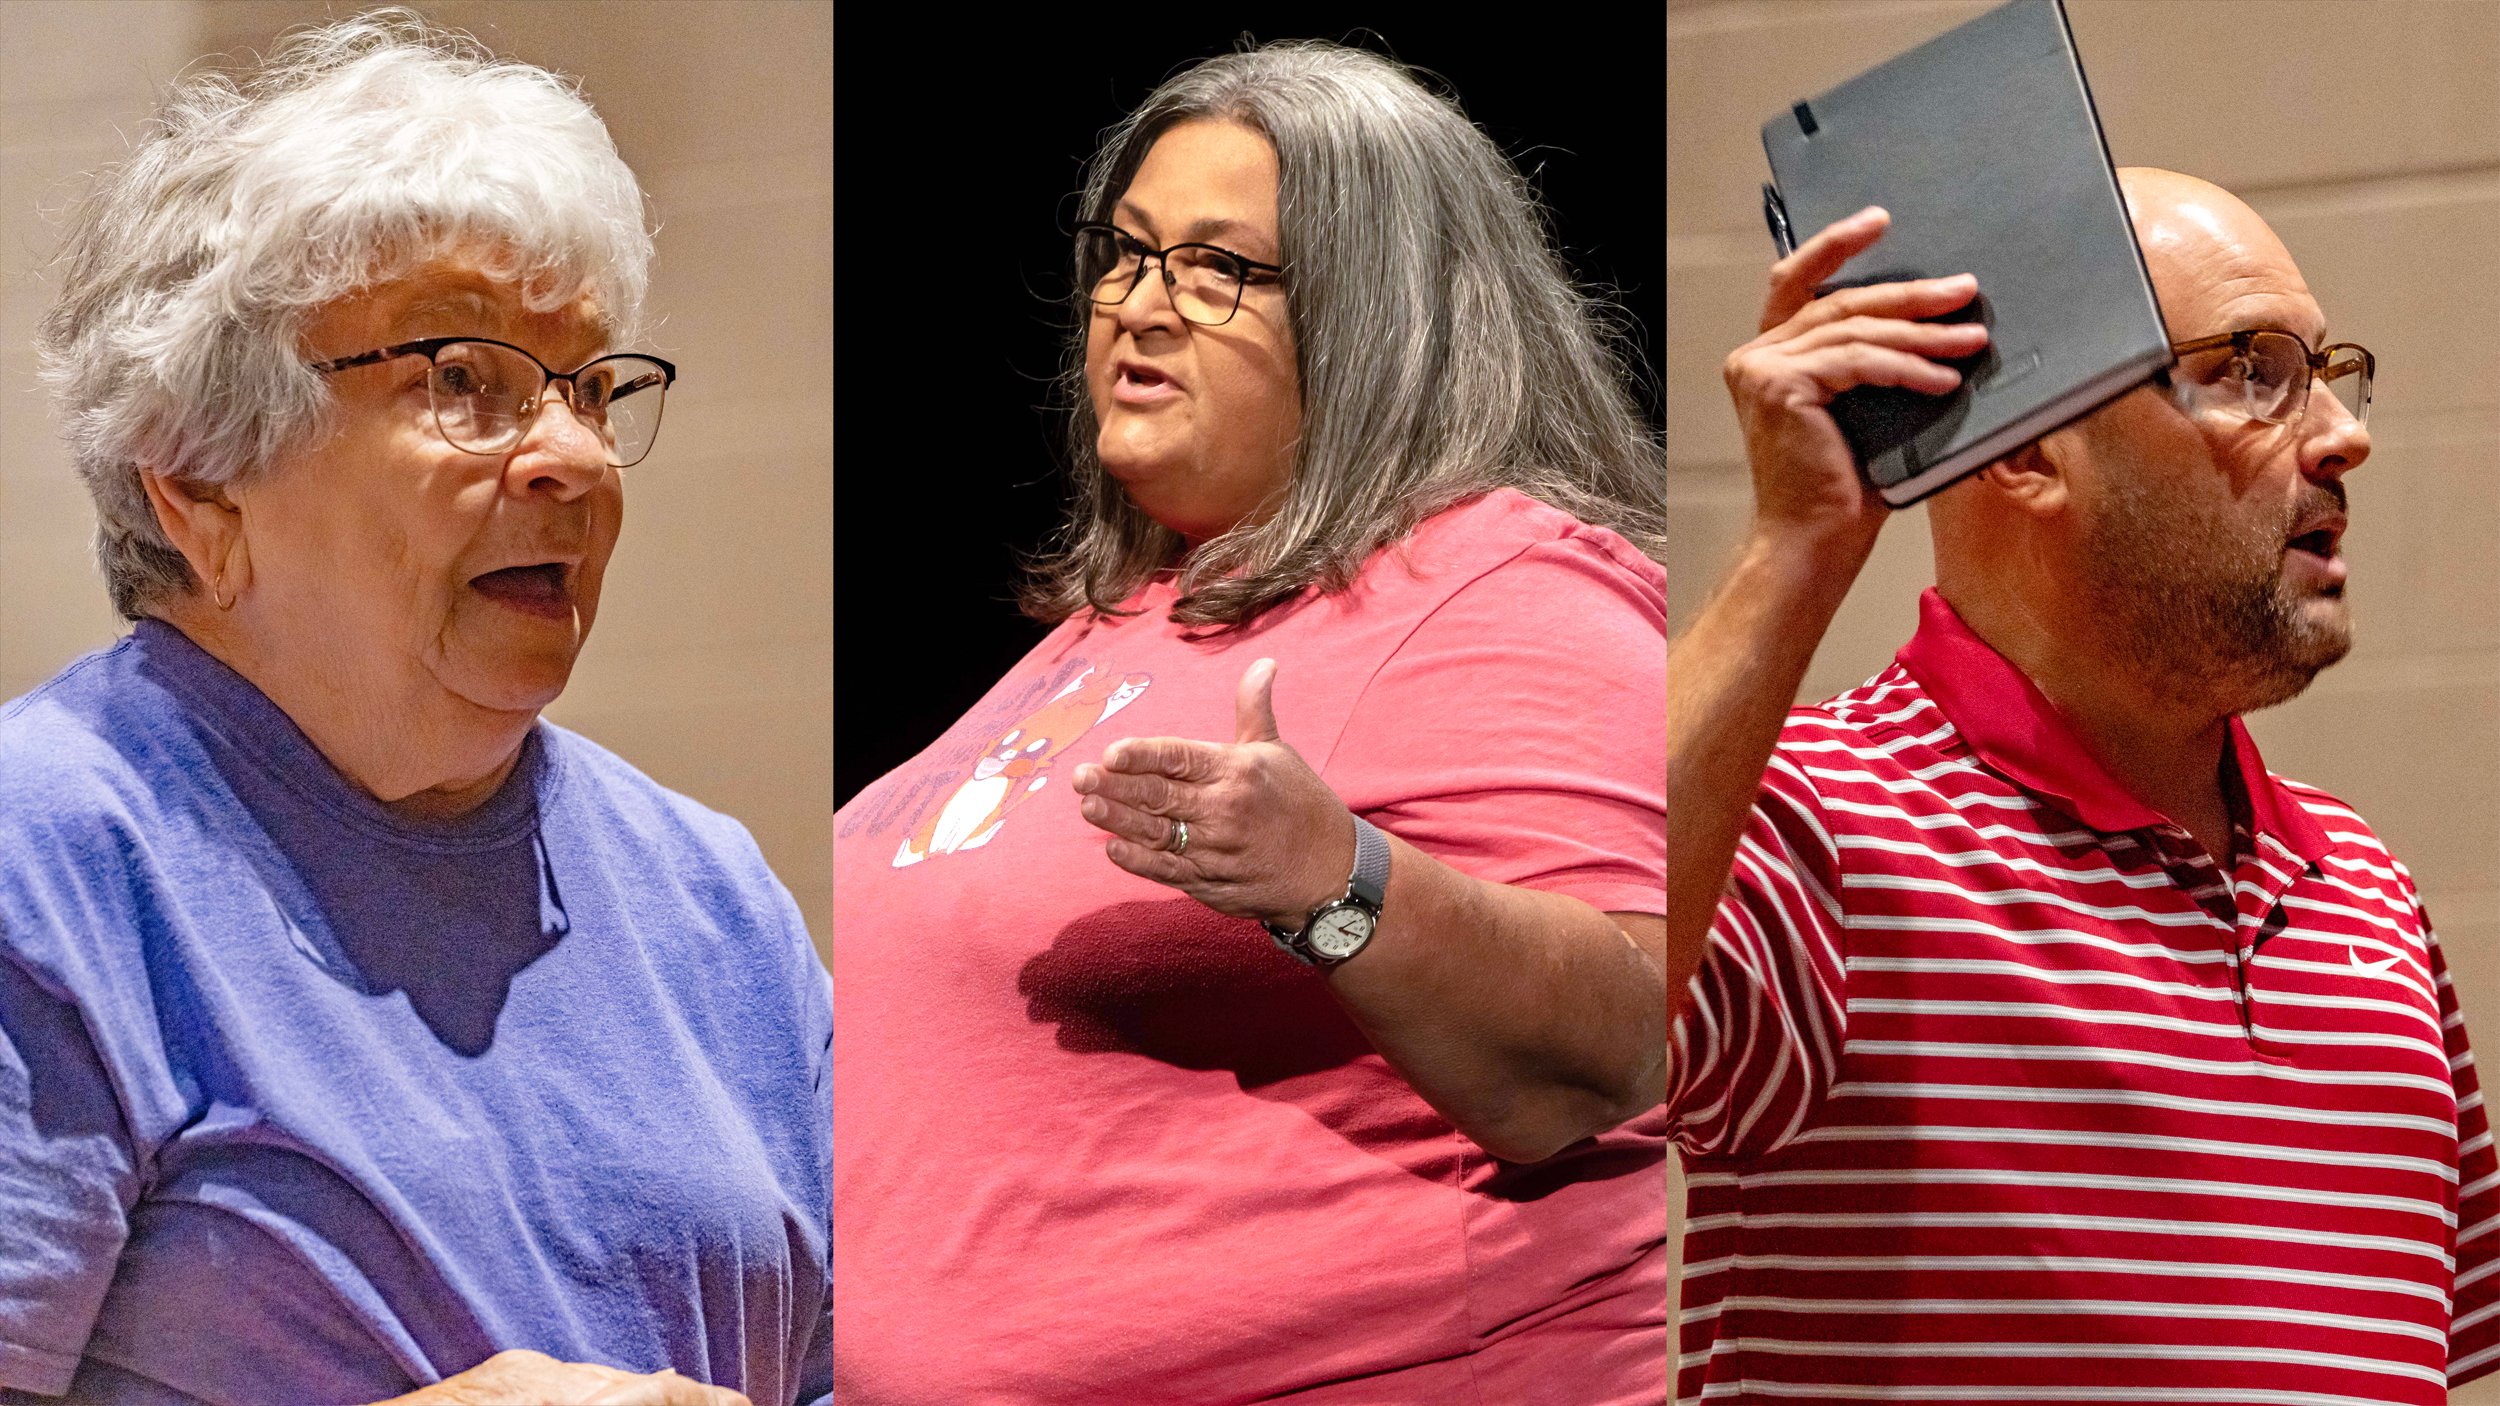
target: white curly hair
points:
(353, 154)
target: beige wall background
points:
(712, 666)
(2364, 131)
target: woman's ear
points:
(207, 528)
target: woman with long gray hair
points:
(1360, 641)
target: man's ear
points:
(207, 528)
(2031, 479)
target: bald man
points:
(2034, 1041)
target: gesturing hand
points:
(1811, 349)
(1266, 837)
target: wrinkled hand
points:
(1811, 349)
(1267, 838)
(520, 1377)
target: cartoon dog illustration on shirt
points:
(1017, 764)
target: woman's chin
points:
(504, 678)
(1130, 467)
(1190, 525)
(509, 690)
(507, 660)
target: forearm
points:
(1731, 679)
(1733, 675)
(1528, 1019)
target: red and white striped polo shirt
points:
(1992, 1089)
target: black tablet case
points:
(1984, 146)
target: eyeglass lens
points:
(2267, 379)
(485, 397)
(1205, 283)
(2348, 375)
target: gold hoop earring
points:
(217, 592)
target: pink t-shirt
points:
(1095, 1142)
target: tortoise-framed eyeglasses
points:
(2264, 374)
(486, 393)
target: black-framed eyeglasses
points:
(486, 393)
(1204, 280)
(2264, 374)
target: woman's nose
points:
(1149, 301)
(560, 450)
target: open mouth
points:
(2322, 545)
(537, 590)
(1141, 384)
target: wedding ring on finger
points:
(1176, 840)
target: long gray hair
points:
(1443, 349)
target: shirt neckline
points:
(2017, 731)
(244, 719)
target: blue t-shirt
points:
(302, 1101)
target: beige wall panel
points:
(673, 601)
(71, 76)
(79, 53)
(2415, 757)
(2425, 552)
(2410, 89)
(1714, 306)
(1709, 510)
(2469, 935)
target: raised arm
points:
(1733, 674)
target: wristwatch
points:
(1341, 927)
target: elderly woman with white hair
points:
(1360, 641)
(361, 1033)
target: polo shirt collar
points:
(2018, 732)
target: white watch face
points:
(1341, 933)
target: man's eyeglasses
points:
(1204, 281)
(2263, 374)
(486, 394)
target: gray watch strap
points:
(1371, 864)
(1367, 890)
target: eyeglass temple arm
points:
(361, 359)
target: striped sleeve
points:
(1759, 1037)
(2474, 1312)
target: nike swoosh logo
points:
(2353, 954)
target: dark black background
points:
(957, 149)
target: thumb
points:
(1254, 705)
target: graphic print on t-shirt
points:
(1017, 764)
